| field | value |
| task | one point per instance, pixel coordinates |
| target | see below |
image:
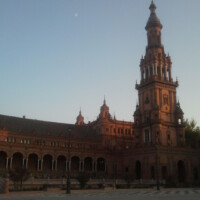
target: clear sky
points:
(59, 55)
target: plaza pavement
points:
(126, 194)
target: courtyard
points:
(138, 194)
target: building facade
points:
(150, 148)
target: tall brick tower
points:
(158, 116)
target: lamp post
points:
(157, 170)
(68, 187)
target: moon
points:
(75, 14)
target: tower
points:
(158, 116)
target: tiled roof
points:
(30, 127)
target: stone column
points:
(56, 165)
(23, 163)
(80, 166)
(95, 166)
(66, 168)
(26, 163)
(83, 166)
(52, 164)
(7, 159)
(11, 162)
(41, 167)
(156, 70)
(161, 70)
(38, 165)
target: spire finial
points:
(152, 7)
(104, 101)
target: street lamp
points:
(68, 188)
(157, 170)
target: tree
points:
(192, 133)
(18, 176)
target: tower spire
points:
(153, 20)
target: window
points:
(165, 100)
(146, 135)
(118, 130)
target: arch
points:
(138, 169)
(75, 161)
(3, 158)
(164, 172)
(32, 162)
(17, 161)
(61, 163)
(181, 171)
(47, 162)
(101, 165)
(152, 172)
(195, 174)
(88, 164)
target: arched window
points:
(101, 165)
(147, 136)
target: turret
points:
(104, 111)
(80, 119)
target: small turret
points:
(104, 111)
(80, 119)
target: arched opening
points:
(195, 174)
(101, 165)
(88, 164)
(181, 171)
(61, 163)
(75, 163)
(17, 161)
(164, 172)
(47, 163)
(138, 170)
(152, 172)
(3, 157)
(32, 162)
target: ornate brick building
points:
(153, 146)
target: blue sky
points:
(59, 55)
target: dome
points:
(153, 20)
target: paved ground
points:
(132, 194)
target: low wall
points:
(4, 185)
(46, 184)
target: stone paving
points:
(137, 194)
